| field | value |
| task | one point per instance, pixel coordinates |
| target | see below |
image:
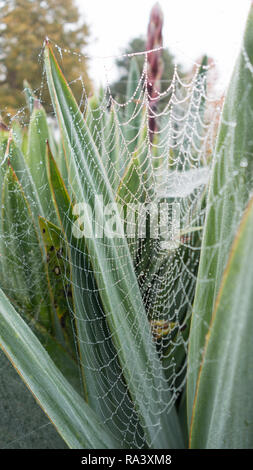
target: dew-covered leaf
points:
(230, 186)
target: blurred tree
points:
(138, 44)
(24, 24)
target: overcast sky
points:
(191, 28)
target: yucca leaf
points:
(17, 161)
(116, 151)
(58, 272)
(131, 190)
(12, 247)
(38, 135)
(103, 378)
(3, 146)
(29, 96)
(62, 163)
(22, 256)
(59, 355)
(24, 146)
(137, 187)
(17, 133)
(182, 414)
(27, 239)
(34, 145)
(115, 277)
(130, 194)
(72, 417)
(95, 121)
(24, 266)
(223, 411)
(3, 164)
(230, 186)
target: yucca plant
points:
(97, 325)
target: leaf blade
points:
(74, 420)
(230, 187)
(226, 372)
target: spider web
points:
(154, 150)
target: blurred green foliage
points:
(24, 24)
